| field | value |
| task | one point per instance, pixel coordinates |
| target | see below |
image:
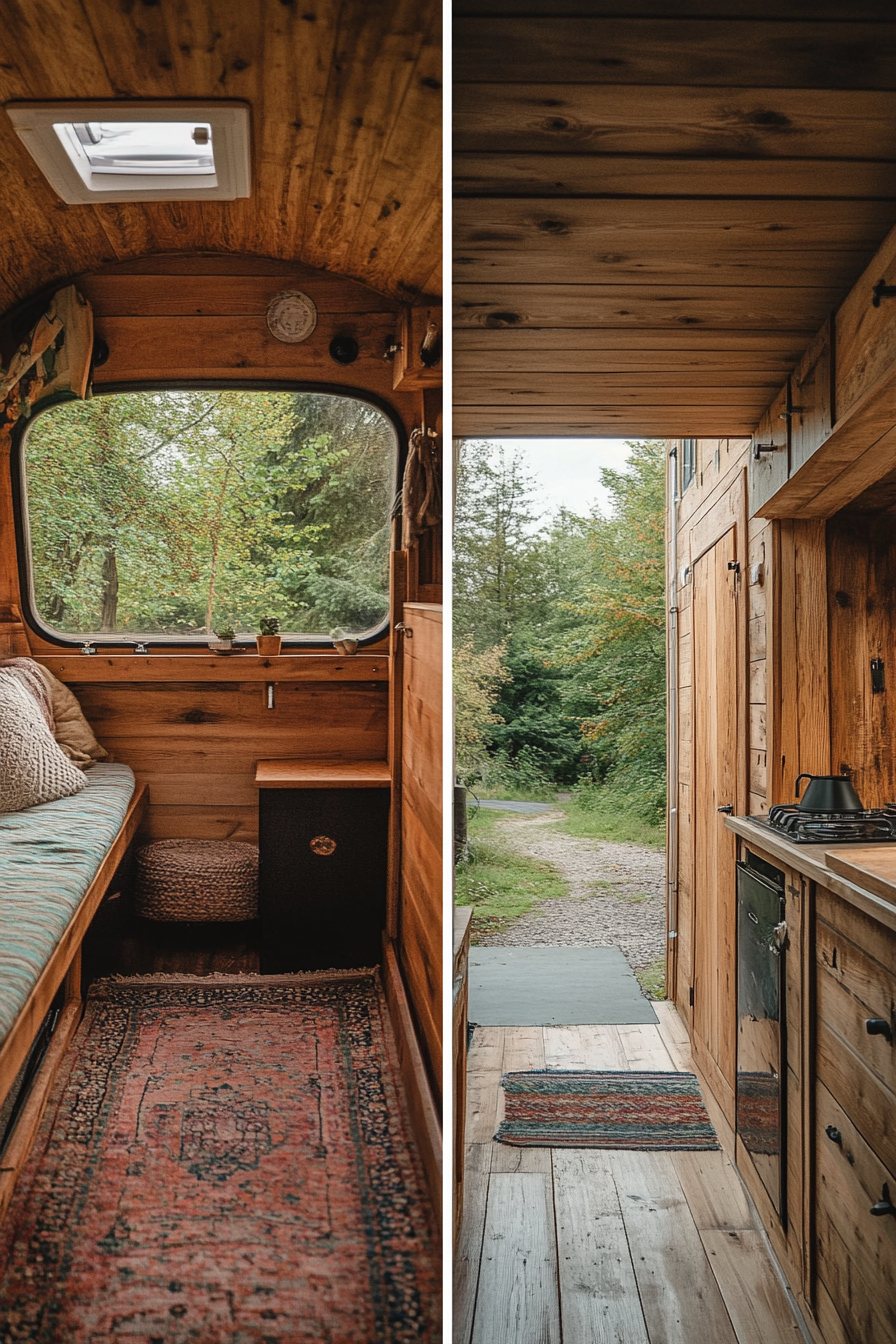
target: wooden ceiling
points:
(656, 208)
(346, 121)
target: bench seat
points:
(49, 856)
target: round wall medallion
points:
(291, 316)
(322, 844)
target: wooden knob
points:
(323, 845)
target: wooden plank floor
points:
(584, 1246)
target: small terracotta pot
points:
(268, 645)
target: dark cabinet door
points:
(322, 877)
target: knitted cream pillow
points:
(33, 769)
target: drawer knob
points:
(879, 1026)
(323, 845)
(834, 1134)
(884, 1205)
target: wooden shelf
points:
(197, 667)
(323, 775)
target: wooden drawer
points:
(855, 986)
(855, 1251)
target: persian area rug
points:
(554, 1108)
(224, 1160)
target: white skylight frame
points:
(77, 184)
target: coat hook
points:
(882, 291)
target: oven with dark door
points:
(761, 941)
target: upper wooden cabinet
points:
(843, 406)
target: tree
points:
(618, 651)
(499, 559)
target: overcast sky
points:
(568, 469)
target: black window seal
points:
(174, 644)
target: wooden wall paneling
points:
(799, 698)
(420, 915)
(398, 595)
(862, 620)
(769, 471)
(812, 395)
(197, 744)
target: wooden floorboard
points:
(604, 1247)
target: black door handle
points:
(879, 1026)
(727, 809)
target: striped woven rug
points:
(555, 1108)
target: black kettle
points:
(828, 793)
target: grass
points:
(499, 884)
(607, 814)
(652, 979)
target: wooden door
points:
(717, 729)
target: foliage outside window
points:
(180, 513)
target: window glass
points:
(688, 462)
(183, 513)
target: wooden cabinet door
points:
(716, 645)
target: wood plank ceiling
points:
(657, 207)
(347, 131)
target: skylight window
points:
(138, 151)
(147, 148)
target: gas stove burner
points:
(816, 828)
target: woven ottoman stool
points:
(197, 880)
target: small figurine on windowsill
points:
(224, 639)
(343, 643)
(268, 640)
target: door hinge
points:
(691, 997)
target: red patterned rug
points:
(224, 1161)
(559, 1108)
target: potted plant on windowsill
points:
(268, 640)
(224, 639)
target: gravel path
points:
(616, 897)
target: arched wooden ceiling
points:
(658, 203)
(346, 124)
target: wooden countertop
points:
(323, 775)
(814, 862)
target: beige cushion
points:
(73, 733)
(33, 768)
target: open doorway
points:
(560, 663)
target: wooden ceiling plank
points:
(571, 260)
(863, 11)
(397, 209)
(658, 340)
(682, 225)
(709, 51)
(642, 305)
(656, 176)
(601, 424)
(506, 388)
(377, 49)
(712, 363)
(299, 46)
(753, 123)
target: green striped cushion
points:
(49, 855)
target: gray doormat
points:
(554, 987)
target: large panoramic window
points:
(182, 513)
